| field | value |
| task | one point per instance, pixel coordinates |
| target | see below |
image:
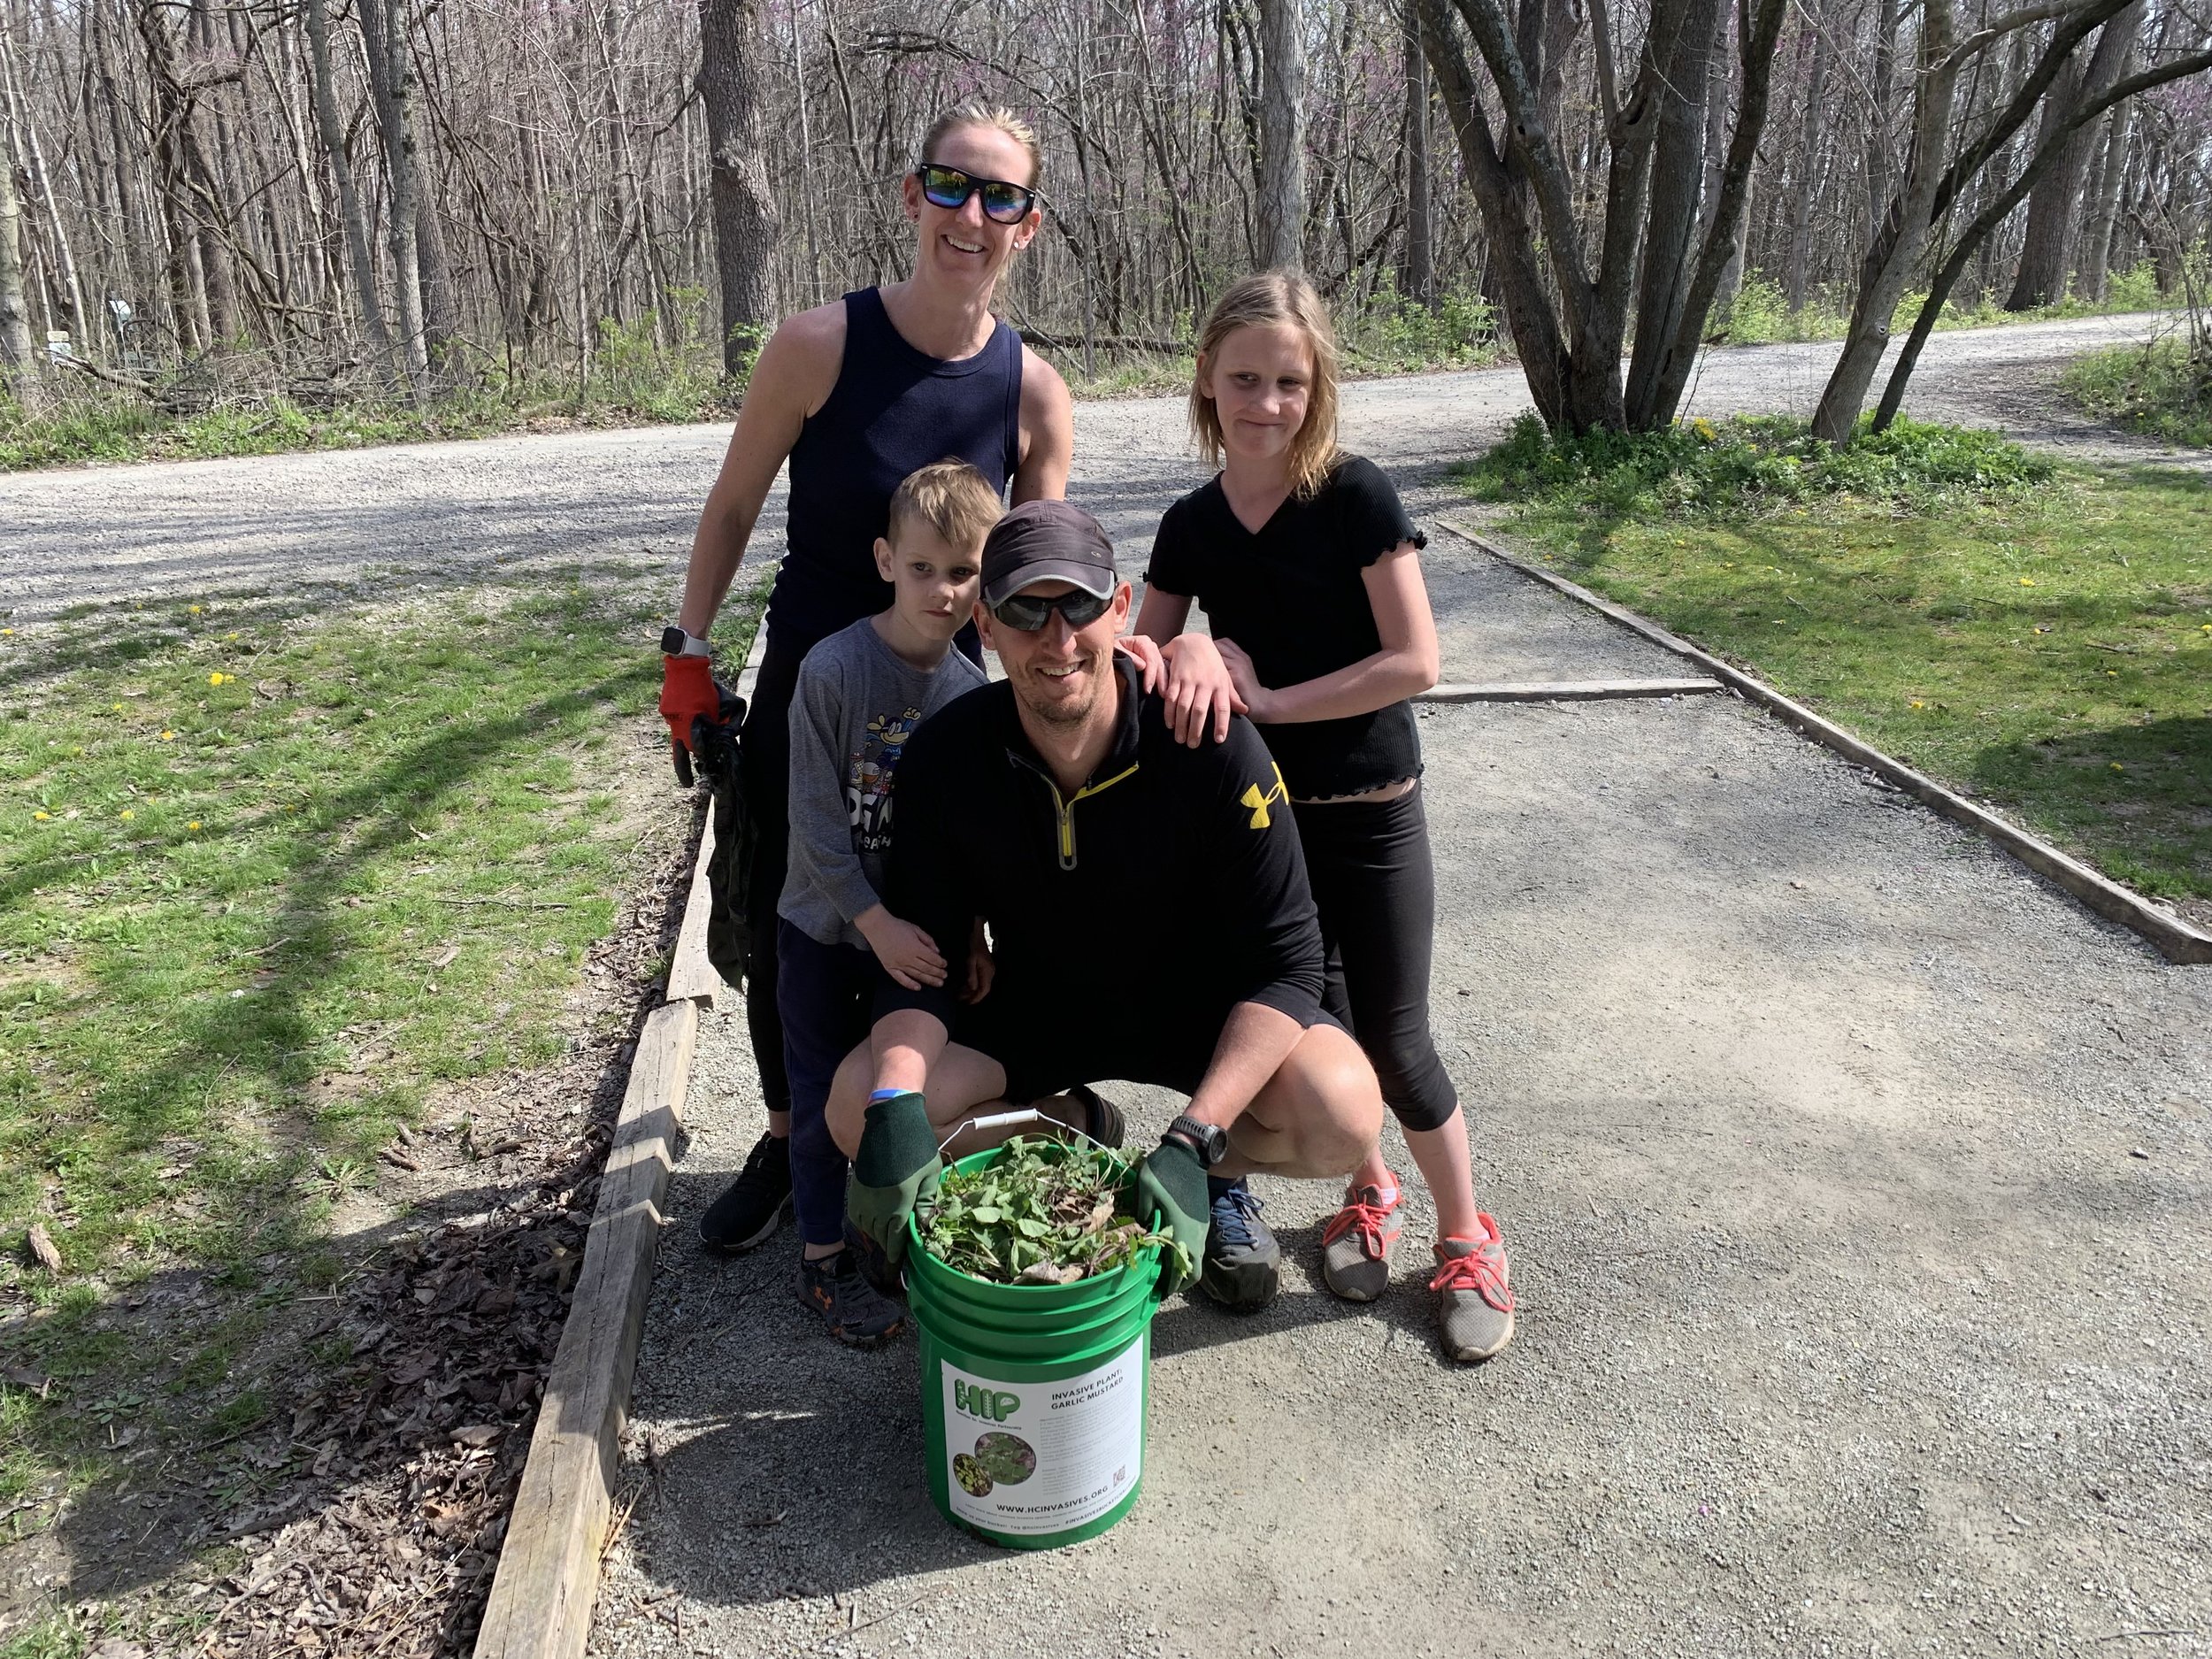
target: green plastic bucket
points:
(1033, 1395)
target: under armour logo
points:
(1259, 803)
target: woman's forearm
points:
(1373, 682)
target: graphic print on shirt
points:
(1259, 803)
(868, 778)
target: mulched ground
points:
(380, 1480)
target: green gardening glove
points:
(1171, 1199)
(897, 1165)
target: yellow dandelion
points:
(126, 814)
(1918, 703)
(217, 677)
(230, 636)
(194, 609)
(41, 817)
(168, 737)
(2027, 582)
(6, 630)
(2116, 766)
(117, 707)
(194, 825)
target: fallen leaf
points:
(41, 1243)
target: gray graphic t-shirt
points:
(857, 703)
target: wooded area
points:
(425, 191)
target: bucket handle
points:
(1007, 1120)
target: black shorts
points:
(1044, 1052)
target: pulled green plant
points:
(1040, 1213)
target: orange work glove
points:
(688, 692)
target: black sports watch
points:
(1209, 1141)
(676, 642)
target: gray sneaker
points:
(1355, 1245)
(1474, 1304)
(1243, 1267)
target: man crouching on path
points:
(1149, 919)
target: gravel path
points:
(1857, 1184)
(1860, 1184)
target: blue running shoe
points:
(1241, 1270)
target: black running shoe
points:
(851, 1307)
(753, 1206)
(1242, 1259)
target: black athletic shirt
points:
(893, 410)
(1198, 840)
(1294, 597)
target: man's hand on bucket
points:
(897, 1165)
(1171, 1198)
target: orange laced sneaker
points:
(1355, 1245)
(1474, 1306)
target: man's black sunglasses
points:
(1026, 613)
(948, 187)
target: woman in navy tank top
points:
(857, 395)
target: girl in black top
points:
(1310, 573)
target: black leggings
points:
(1373, 882)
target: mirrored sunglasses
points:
(949, 187)
(1026, 613)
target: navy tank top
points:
(893, 410)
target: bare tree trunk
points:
(1282, 190)
(391, 86)
(1685, 82)
(1896, 249)
(360, 258)
(744, 210)
(2096, 249)
(43, 183)
(1797, 283)
(1417, 282)
(19, 362)
(2047, 254)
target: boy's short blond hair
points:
(950, 497)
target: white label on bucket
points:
(1036, 1457)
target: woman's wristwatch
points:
(1209, 1141)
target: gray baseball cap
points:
(1047, 542)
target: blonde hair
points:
(976, 112)
(1263, 300)
(950, 497)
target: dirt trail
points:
(325, 525)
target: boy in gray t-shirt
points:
(861, 694)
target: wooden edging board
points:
(547, 1578)
(1564, 690)
(2174, 938)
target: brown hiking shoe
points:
(1474, 1304)
(1355, 1245)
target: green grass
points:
(266, 883)
(1760, 313)
(2046, 645)
(2160, 390)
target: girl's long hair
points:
(1264, 299)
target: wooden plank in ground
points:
(1563, 690)
(548, 1568)
(2174, 938)
(691, 974)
